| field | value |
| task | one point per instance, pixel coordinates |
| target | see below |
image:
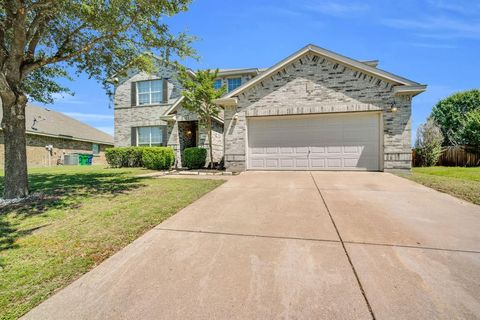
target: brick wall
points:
(127, 116)
(312, 84)
(37, 155)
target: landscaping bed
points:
(85, 214)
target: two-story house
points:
(313, 110)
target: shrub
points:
(158, 158)
(194, 158)
(124, 156)
(429, 143)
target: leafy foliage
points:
(96, 37)
(429, 143)
(123, 157)
(199, 96)
(451, 115)
(471, 128)
(194, 158)
(158, 158)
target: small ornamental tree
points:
(42, 40)
(199, 93)
(451, 115)
(429, 143)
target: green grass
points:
(84, 216)
(460, 182)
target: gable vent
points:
(315, 59)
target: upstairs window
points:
(149, 92)
(149, 136)
(233, 83)
(217, 84)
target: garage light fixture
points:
(393, 107)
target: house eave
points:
(409, 90)
(226, 102)
(66, 137)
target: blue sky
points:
(432, 42)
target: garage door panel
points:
(320, 142)
(271, 163)
(317, 163)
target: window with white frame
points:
(233, 83)
(149, 92)
(149, 136)
(217, 84)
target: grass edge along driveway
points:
(460, 182)
(84, 215)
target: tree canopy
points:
(458, 117)
(40, 39)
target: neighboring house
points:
(51, 135)
(314, 110)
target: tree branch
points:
(60, 55)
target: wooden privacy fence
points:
(455, 156)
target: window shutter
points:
(133, 96)
(165, 90)
(133, 137)
(164, 135)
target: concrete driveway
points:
(298, 245)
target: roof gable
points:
(351, 63)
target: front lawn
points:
(84, 215)
(460, 182)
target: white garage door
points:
(314, 142)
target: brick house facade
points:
(313, 88)
(52, 135)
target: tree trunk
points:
(13, 125)
(210, 147)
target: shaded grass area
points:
(83, 216)
(460, 182)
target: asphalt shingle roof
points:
(44, 121)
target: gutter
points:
(65, 137)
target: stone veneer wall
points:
(312, 84)
(37, 155)
(127, 116)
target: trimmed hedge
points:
(148, 157)
(194, 158)
(158, 158)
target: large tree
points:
(41, 39)
(200, 93)
(456, 115)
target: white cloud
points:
(429, 45)
(335, 8)
(466, 8)
(89, 116)
(437, 27)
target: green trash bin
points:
(85, 159)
